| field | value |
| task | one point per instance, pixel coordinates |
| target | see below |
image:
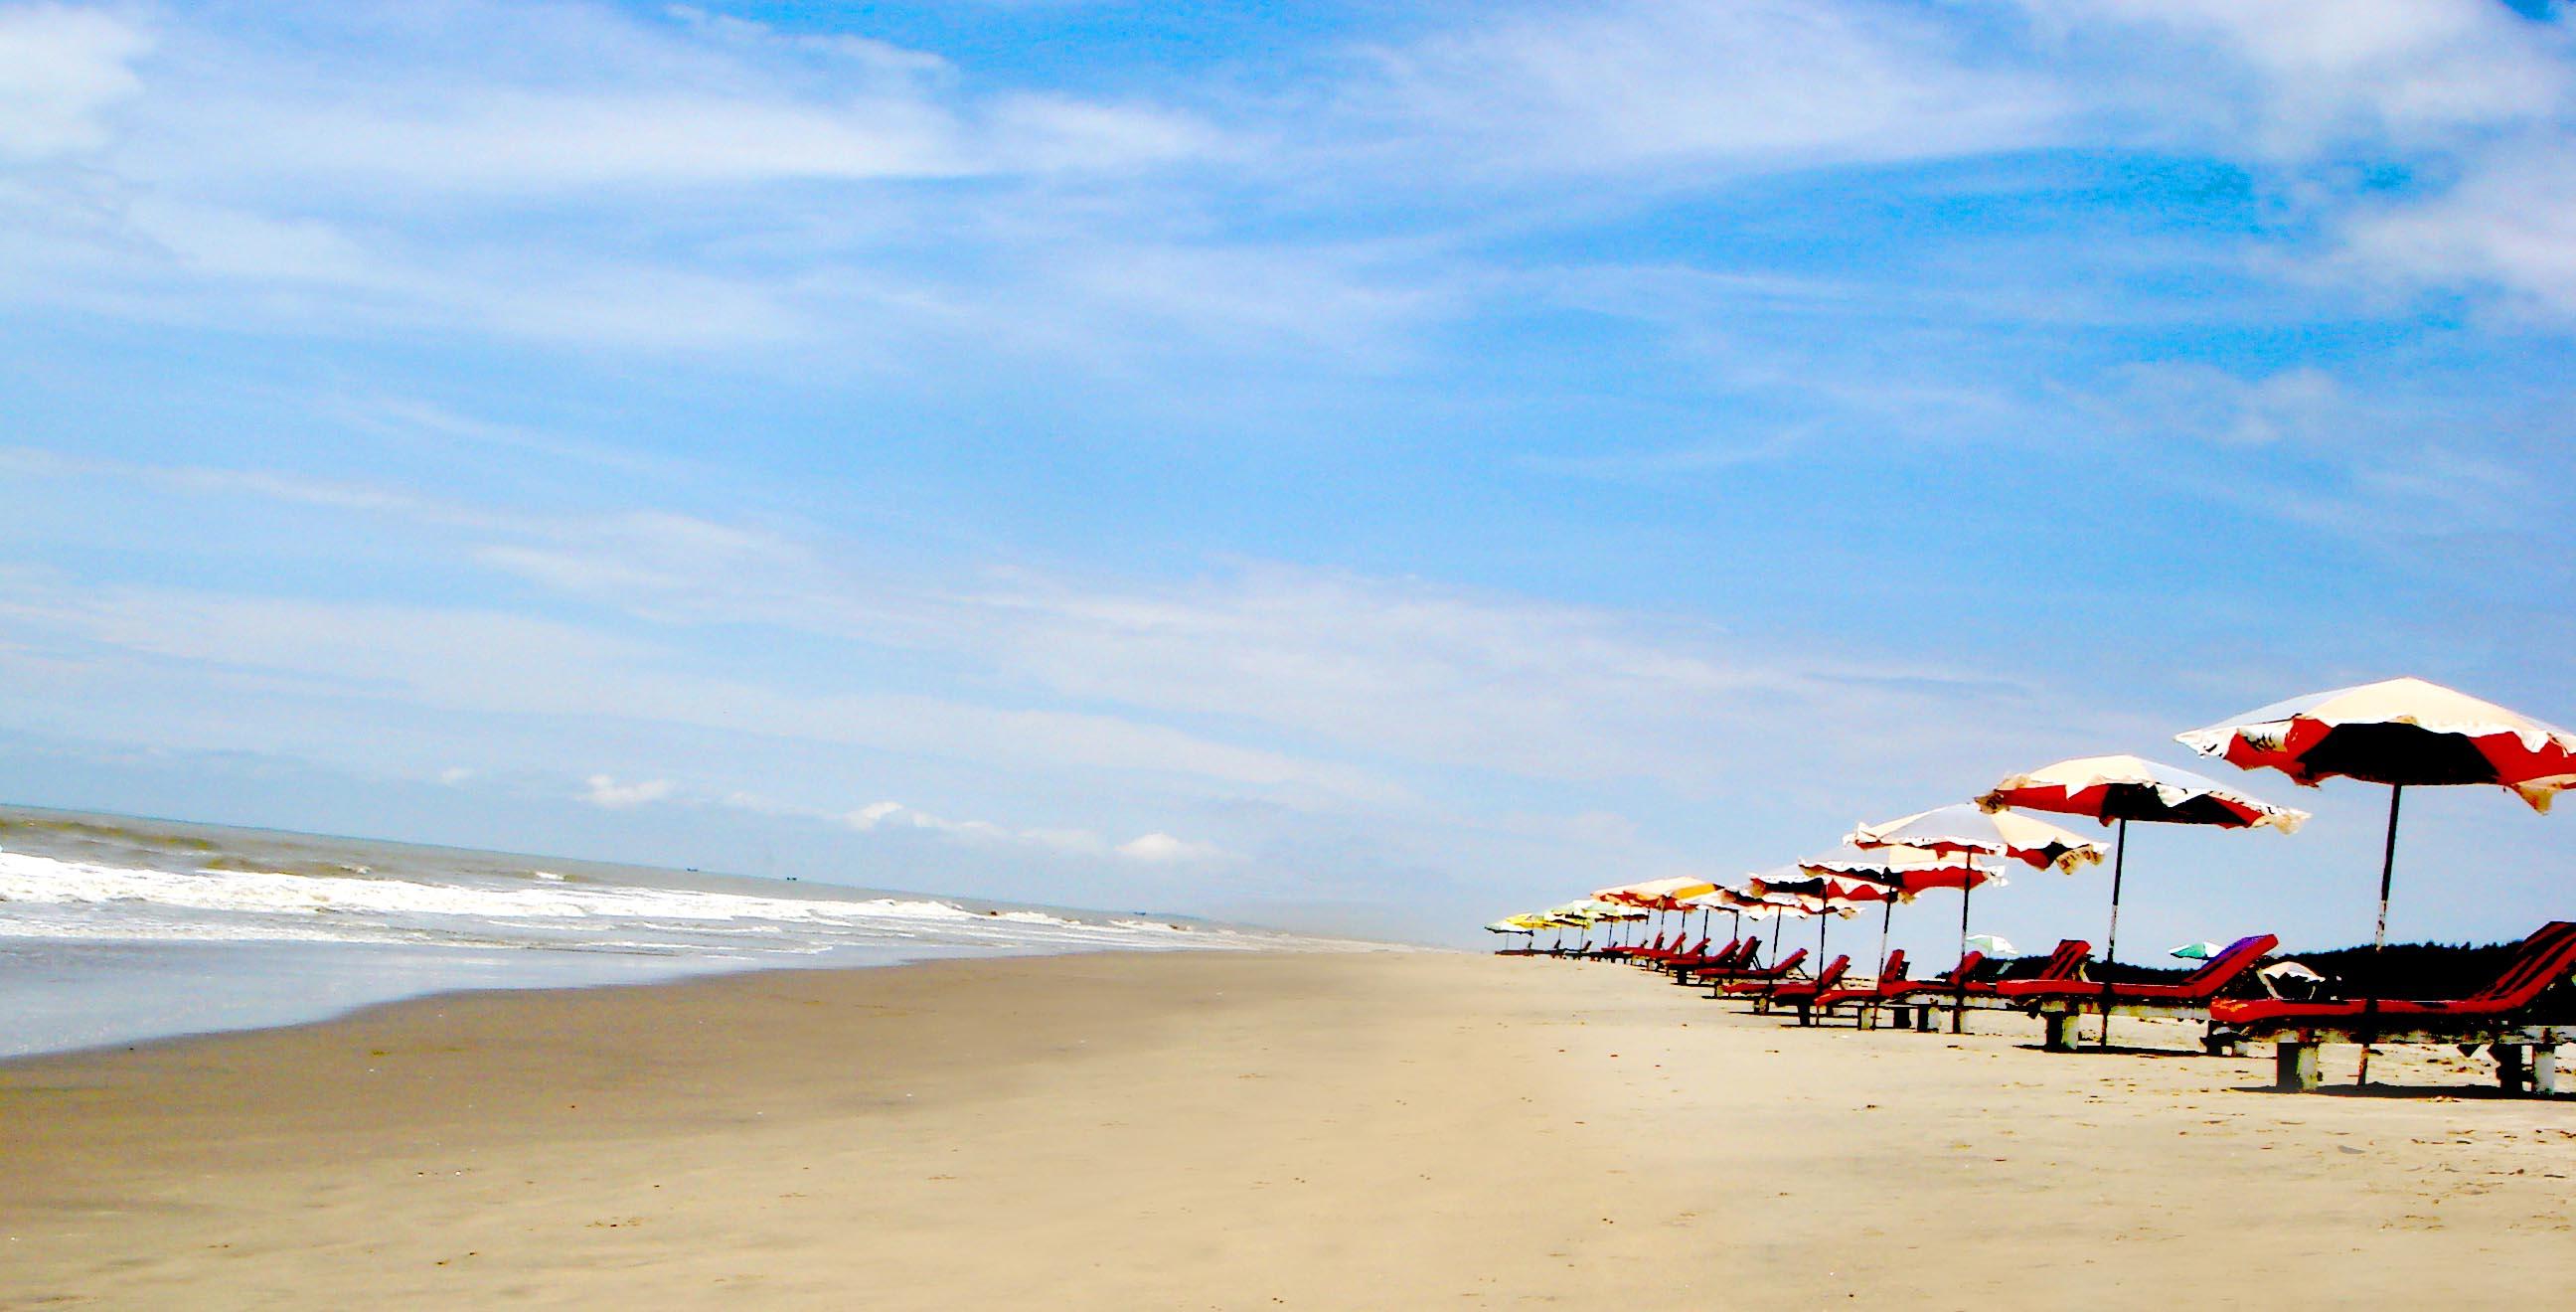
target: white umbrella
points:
(2124, 788)
(1966, 829)
(2396, 732)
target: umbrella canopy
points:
(1815, 893)
(1589, 909)
(2401, 731)
(2201, 951)
(2125, 788)
(1722, 898)
(1657, 894)
(1964, 828)
(2108, 788)
(2396, 732)
(1905, 871)
(1993, 945)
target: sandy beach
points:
(1243, 1131)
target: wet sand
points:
(1246, 1131)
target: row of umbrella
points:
(2401, 732)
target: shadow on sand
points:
(2413, 1092)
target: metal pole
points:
(1959, 984)
(2379, 937)
(2111, 941)
(1886, 913)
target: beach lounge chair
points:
(1724, 967)
(2067, 962)
(1759, 979)
(1864, 999)
(1697, 957)
(2060, 1001)
(2522, 1017)
(1802, 993)
(1658, 958)
(1624, 951)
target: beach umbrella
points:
(2398, 732)
(2201, 951)
(1799, 893)
(1905, 872)
(1995, 946)
(1968, 829)
(1735, 902)
(1657, 895)
(1760, 906)
(2115, 790)
(1964, 829)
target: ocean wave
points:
(48, 897)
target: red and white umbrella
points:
(2119, 789)
(1656, 895)
(2397, 732)
(1965, 830)
(1897, 874)
(1797, 893)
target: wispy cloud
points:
(605, 791)
(1760, 85)
(63, 70)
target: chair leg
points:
(2509, 1066)
(2061, 1031)
(2546, 1076)
(2294, 1066)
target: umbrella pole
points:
(2111, 941)
(1776, 918)
(2379, 937)
(1959, 984)
(1886, 913)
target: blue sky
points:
(1375, 467)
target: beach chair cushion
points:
(2194, 989)
(2546, 958)
(1755, 981)
(1792, 990)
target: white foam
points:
(50, 898)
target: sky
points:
(1360, 467)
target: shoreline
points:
(1234, 1130)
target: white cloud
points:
(1743, 83)
(2509, 223)
(877, 816)
(2471, 103)
(2291, 77)
(62, 70)
(1162, 847)
(604, 791)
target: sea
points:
(116, 930)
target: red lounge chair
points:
(1801, 993)
(2065, 963)
(1626, 950)
(2514, 1015)
(1726, 967)
(1759, 979)
(1661, 957)
(1891, 979)
(1697, 957)
(2060, 1001)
